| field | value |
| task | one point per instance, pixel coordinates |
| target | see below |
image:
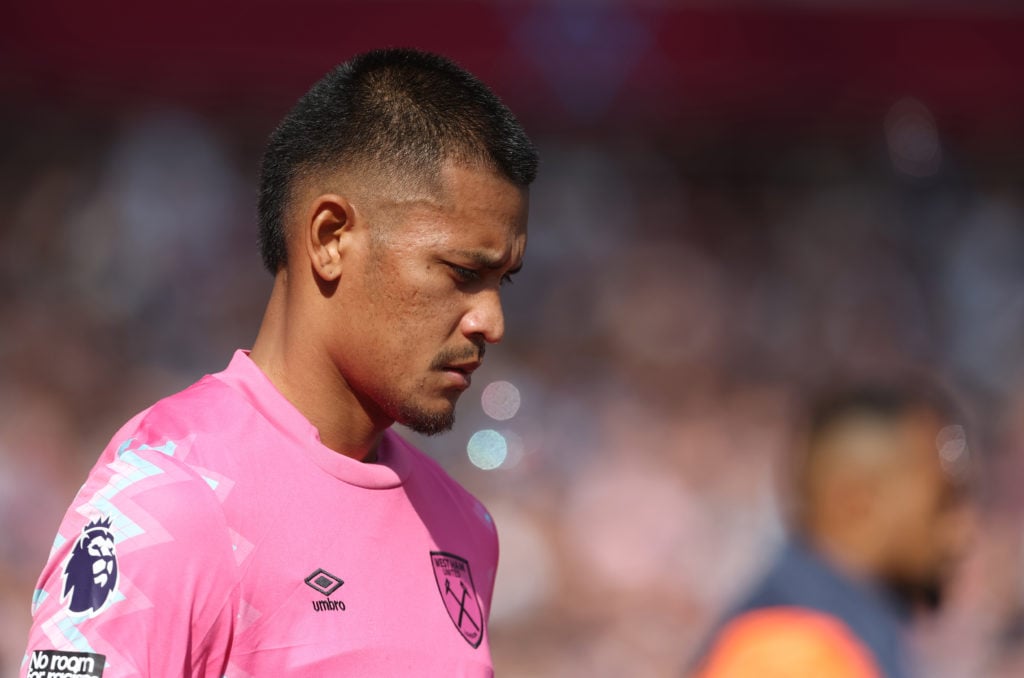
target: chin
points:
(431, 424)
(426, 422)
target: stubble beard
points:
(427, 422)
(424, 422)
(404, 410)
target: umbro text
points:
(329, 605)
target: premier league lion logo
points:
(90, 575)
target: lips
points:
(464, 368)
(460, 373)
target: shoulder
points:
(426, 474)
(158, 443)
(144, 554)
(147, 481)
(144, 546)
(448, 508)
(787, 641)
(202, 408)
(150, 494)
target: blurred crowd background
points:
(738, 203)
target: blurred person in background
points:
(266, 520)
(881, 516)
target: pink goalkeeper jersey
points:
(216, 536)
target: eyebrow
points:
(485, 260)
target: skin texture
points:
(879, 503)
(389, 299)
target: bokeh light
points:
(516, 449)
(487, 449)
(500, 400)
(953, 451)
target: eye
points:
(466, 275)
(507, 279)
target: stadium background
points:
(738, 202)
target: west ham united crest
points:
(90, 573)
(455, 583)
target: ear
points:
(328, 229)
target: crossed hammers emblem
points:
(461, 601)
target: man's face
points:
(931, 517)
(422, 296)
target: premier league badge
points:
(455, 583)
(90, 574)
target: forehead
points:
(468, 207)
(909, 442)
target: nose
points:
(485, 317)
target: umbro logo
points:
(326, 583)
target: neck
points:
(287, 351)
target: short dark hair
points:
(400, 111)
(888, 402)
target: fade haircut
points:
(399, 112)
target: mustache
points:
(449, 356)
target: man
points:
(881, 516)
(266, 521)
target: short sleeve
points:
(141, 579)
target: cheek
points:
(428, 313)
(909, 521)
(927, 529)
(414, 308)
